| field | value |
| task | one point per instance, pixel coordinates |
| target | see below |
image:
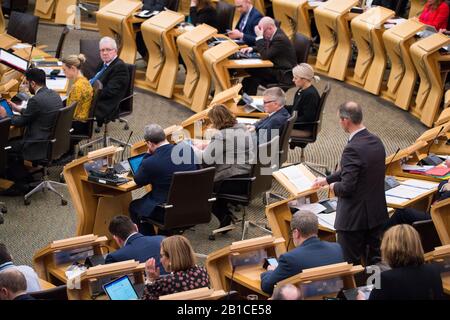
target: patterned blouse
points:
(192, 278)
(82, 92)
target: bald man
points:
(13, 285)
(272, 44)
(359, 185)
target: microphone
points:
(126, 144)
(395, 154)
(432, 160)
(231, 281)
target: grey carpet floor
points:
(29, 228)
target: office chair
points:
(225, 16)
(58, 145)
(260, 181)
(23, 26)
(15, 5)
(428, 234)
(187, 206)
(173, 5)
(57, 293)
(90, 48)
(5, 124)
(302, 142)
(61, 41)
(285, 135)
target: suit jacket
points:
(157, 169)
(206, 15)
(154, 5)
(249, 29)
(39, 120)
(310, 254)
(276, 121)
(306, 103)
(25, 296)
(115, 80)
(281, 52)
(359, 184)
(138, 247)
(410, 283)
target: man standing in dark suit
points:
(245, 28)
(310, 252)
(157, 169)
(272, 125)
(114, 76)
(13, 286)
(272, 44)
(133, 245)
(38, 119)
(359, 185)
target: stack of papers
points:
(247, 120)
(421, 184)
(315, 207)
(408, 167)
(327, 220)
(58, 84)
(297, 178)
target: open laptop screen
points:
(121, 289)
(135, 162)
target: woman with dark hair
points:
(435, 13)
(202, 11)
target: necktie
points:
(95, 78)
(243, 22)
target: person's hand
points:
(271, 267)
(319, 182)
(259, 32)
(151, 270)
(246, 50)
(360, 296)
(14, 106)
(447, 163)
(251, 128)
(235, 34)
(2, 112)
(446, 187)
(193, 3)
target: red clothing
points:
(437, 18)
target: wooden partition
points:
(440, 213)
(2, 20)
(441, 255)
(436, 139)
(196, 294)
(293, 16)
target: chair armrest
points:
(312, 122)
(249, 179)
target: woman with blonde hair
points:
(435, 13)
(81, 90)
(178, 259)
(306, 100)
(409, 277)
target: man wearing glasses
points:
(114, 76)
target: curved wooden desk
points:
(440, 213)
(114, 20)
(293, 16)
(195, 91)
(403, 74)
(426, 56)
(2, 20)
(367, 30)
(335, 46)
(159, 36)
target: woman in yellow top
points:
(81, 90)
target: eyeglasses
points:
(106, 50)
(267, 102)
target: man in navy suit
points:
(157, 168)
(13, 285)
(272, 125)
(133, 245)
(310, 252)
(245, 28)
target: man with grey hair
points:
(272, 44)
(157, 169)
(270, 126)
(310, 251)
(13, 286)
(113, 73)
(359, 185)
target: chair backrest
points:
(173, 5)
(4, 135)
(225, 16)
(265, 164)
(184, 211)
(90, 49)
(126, 105)
(302, 45)
(23, 26)
(323, 100)
(428, 234)
(285, 134)
(57, 293)
(61, 133)
(60, 45)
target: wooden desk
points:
(426, 57)
(403, 74)
(293, 16)
(440, 213)
(367, 30)
(436, 139)
(335, 46)
(46, 285)
(113, 20)
(416, 7)
(421, 202)
(7, 41)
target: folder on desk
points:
(296, 179)
(438, 171)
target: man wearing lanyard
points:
(245, 28)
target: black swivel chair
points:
(4, 135)
(225, 16)
(173, 5)
(285, 136)
(15, 5)
(62, 39)
(23, 26)
(90, 48)
(181, 211)
(58, 146)
(428, 234)
(57, 293)
(302, 142)
(259, 182)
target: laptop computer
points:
(6, 106)
(250, 103)
(121, 289)
(131, 164)
(428, 31)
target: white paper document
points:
(395, 200)
(297, 178)
(247, 120)
(405, 192)
(247, 61)
(58, 84)
(428, 185)
(315, 207)
(408, 167)
(327, 220)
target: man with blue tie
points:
(114, 76)
(245, 28)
